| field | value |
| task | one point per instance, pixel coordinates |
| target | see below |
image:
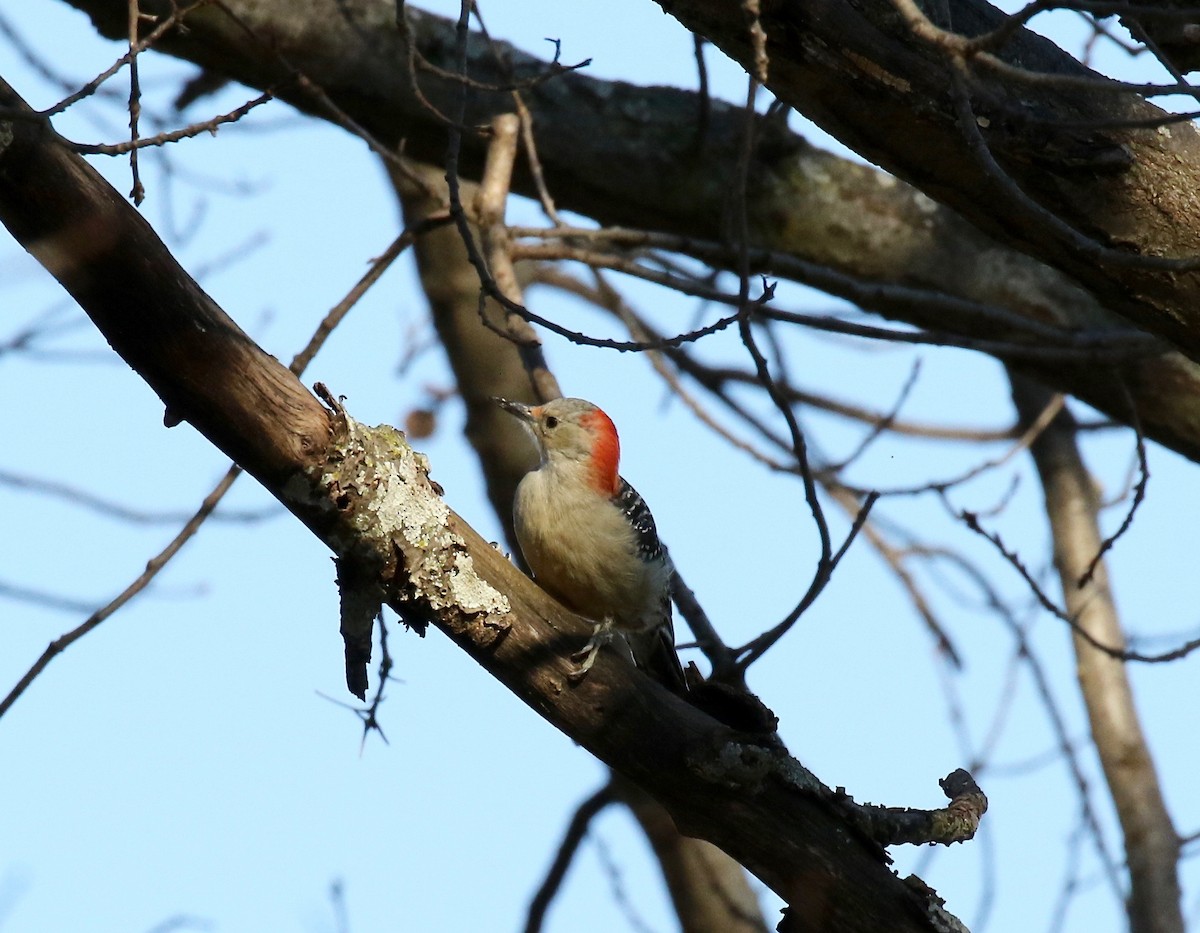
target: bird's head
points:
(573, 431)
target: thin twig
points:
(138, 192)
(153, 566)
(210, 501)
(395, 159)
(894, 557)
(94, 85)
(1032, 339)
(172, 136)
(117, 510)
(1028, 436)
(882, 425)
(576, 832)
(1139, 492)
(826, 560)
(972, 522)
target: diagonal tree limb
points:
(366, 494)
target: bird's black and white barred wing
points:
(653, 648)
(634, 507)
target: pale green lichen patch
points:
(471, 591)
(400, 505)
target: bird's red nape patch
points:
(606, 451)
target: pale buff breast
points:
(581, 555)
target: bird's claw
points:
(586, 656)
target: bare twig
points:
(882, 425)
(971, 520)
(195, 129)
(138, 193)
(1139, 494)
(574, 836)
(153, 566)
(210, 501)
(165, 25)
(826, 559)
(895, 559)
(117, 510)
(1027, 437)
(395, 160)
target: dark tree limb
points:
(367, 495)
(1110, 206)
(847, 221)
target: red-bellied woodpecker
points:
(589, 538)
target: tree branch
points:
(367, 495)
(843, 219)
(1151, 843)
(1107, 206)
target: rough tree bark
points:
(366, 494)
(891, 85)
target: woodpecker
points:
(590, 539)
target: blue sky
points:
(190, 758)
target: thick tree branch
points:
(367, 495)
(882, 78)
(847, 220)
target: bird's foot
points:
(602, 634)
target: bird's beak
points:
(516, 409)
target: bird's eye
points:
(552, 422)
